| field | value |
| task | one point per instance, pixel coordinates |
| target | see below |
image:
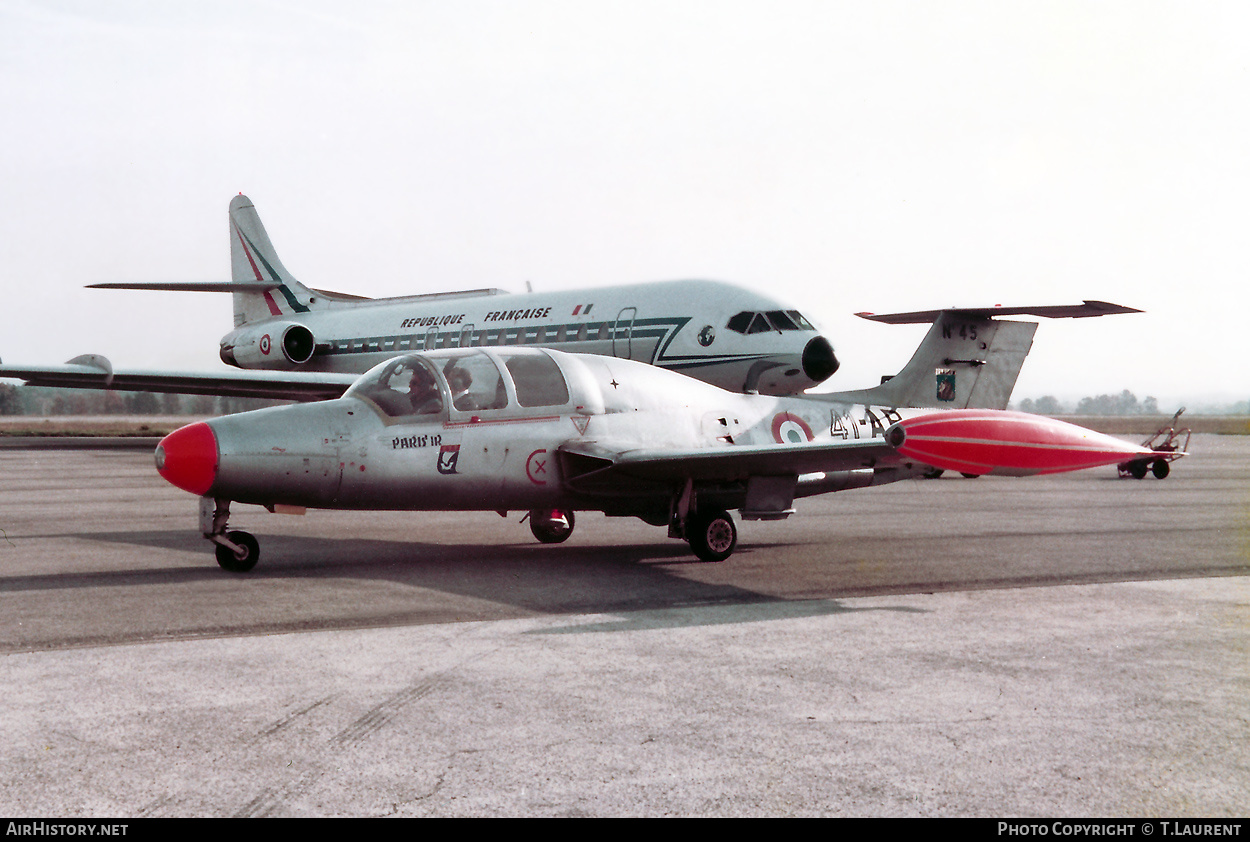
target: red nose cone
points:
(187, 458)
(998, 441)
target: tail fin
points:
(254, 261)
(968, 359)
(963, 362)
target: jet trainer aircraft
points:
(551, 433)
(474, 402)
(715, 332)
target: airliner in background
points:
(721, 334)
(300, 344)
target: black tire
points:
(933, 473)
(550, 531)
(1160, 469)
(712, 536)
(229, 561)
(969, 476)
(1138, 470)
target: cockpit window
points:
(538, 380)
(781, 321)
(740, 322)
(475, 383)
(748, 322)
(404, 386)
(803, 323)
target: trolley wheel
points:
(712, 536)
(1138, 470)
(231, 562)
(1160, 469)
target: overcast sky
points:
(845, 156)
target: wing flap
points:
(600, 468)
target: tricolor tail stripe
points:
(253, 254)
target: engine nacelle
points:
(281, 345)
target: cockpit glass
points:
(781, 321)
(759, 324)
(803, 323)
(538, 380)
(475, 383)
(740, 322)
(403, 386)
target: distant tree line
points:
(45, 400)
(1125, 403)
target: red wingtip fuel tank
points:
(978, 441)
(187, 458)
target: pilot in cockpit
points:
(459, 380)
(423, 392)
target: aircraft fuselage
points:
(717, 333)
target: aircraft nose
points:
(187, 458)
(819, 363)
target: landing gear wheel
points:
(1160, 469)
(712, 536)
(969, 476)
(1138, 470)
(551, 526)
(229, 561)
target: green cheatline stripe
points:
(286, 293)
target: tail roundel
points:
(254, 261)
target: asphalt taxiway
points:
(1072, 645)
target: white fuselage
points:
(714, 332)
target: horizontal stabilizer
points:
(191, 286)
(1065, 311)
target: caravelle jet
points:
(715, 332)
(550, 433)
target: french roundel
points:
(791, 429)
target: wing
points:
(92, 371)
(601, 468)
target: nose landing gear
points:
(237, 551)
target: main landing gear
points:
(710, 531)
(237, 551)
(712, 535)
(551, 526)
